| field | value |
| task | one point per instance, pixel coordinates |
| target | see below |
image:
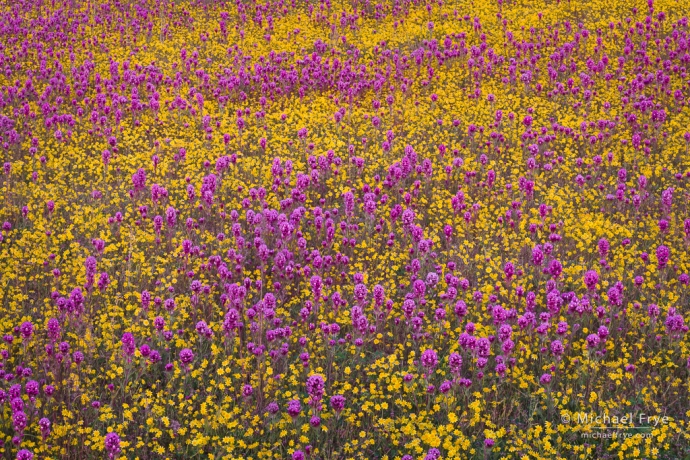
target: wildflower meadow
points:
(344, 229)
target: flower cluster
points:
(290, 229)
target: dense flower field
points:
(347, 229)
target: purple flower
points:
(603, 246)
(555, 268)
(247, 391)
(202, 328)
(537, 255)
(231, 321)
(379, 294)
(433, 454)
(408, 308)
(338, 402)
(316, 286)
(171, 216)
(653, 310)
(501, 369)
(53, 328)
(593, 341)
(591, 279)
(662, 255)
(667, 198)
(361, 292)
(429, 359)
(272, 408)
(26, 329)
(128, 345)
(64, 347)
(315, 387)
(32, 388)
(145, 350)
(408, 217)
(509, 270)
(169, 305)
(17, 404)
(103, 282)
(483, 347)
(455, 363)
(294, 408)
(186, 356)
(460, 309)
(112, 444)
(139, 179)
(445, 387)
(159, 323)
(145, 299)
(44, 425)
(19, 421)
(674, 322)
(154, 356)
(25, 454)
(507, 347)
